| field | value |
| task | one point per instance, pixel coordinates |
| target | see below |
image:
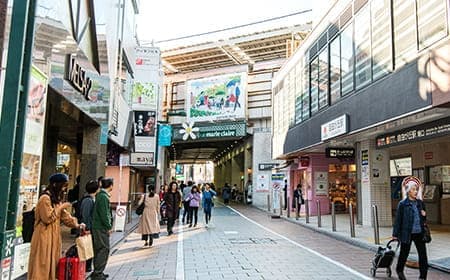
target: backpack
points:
(28, 225)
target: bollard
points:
(281, 203)
(376, 226)
(307, 210)
(288, 209)
(352, 221)
(297, 209)
(333, 216)
(268, 202)
(319, 216)
(130, 212)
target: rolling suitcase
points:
(70, 267)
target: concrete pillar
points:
(248, 166)
(93, 156)
(49, 154)
(373, 167)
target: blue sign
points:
(104, 134)
(165, 135)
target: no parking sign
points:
(121, 213)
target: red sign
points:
(428, 155)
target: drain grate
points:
(146, 273)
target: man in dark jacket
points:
(101, 229)
(87, 211)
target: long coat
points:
(45, 249)
(172, 200)
(404, 219)
(149, 222)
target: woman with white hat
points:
(409, 226)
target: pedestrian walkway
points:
(243, 243)
(438, 250)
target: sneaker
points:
(190, 225)
(146, 243)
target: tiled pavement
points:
(237, 248)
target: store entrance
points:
(342, 182)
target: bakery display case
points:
(342, 186)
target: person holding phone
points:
(50, 211)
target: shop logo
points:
(77, 77)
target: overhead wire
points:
(227, 28)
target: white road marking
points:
(303, 247)
(230, 232)
(180, 255)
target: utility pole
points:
(12, 123)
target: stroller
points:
(384, 258)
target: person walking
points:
(172, 200)
(207, 202)
(408, 227)
(298, 200)
(226, 193)
(50, 211)
(194, 203)
(148, 221)
(186, 191)
(87, 211)
(101, 229)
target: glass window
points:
(335, 70)
(291, 97)
(305, 93)
(323, 78)
(405, 36)
(401, 167)
(362, 48)
(298, 93)
(315, 85)
(347, 59)
(431, 21)
(381, 38)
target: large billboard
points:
(217, 98)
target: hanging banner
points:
(217, 98)
(144, 123)
(165, 135)
(33, 142)
(147, 78)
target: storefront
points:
(422, 151)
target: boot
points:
(401, 275)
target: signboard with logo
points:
(142, 159)
(262, 183)
(165, 135)
(334, 128)
(267, 166)
(147, 78)
(340, 152)
(321, 183)
(205, 131)
(416, 133)
(277, 187)
(217, 98)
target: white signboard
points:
(142, 159)
(334, 128)
(21, 255)
(262, 183)
(119, 221)
(321, 183)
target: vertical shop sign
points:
(365, 172)
(145, 131)
(277, 185)
(147, 79)
(33, 142)
(165, 135)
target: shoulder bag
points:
(141, 207)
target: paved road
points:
(244, 243)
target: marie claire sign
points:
(334, 128)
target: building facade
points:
(364, 103)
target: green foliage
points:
(143, 89)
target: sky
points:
(168, 19)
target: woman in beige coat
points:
(50, 211)
(149, 221)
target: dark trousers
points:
(100, 242)
(207, 216)
(186, 210)
(193, 215)
(170, 223)
(298, 208)
(421, 250)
